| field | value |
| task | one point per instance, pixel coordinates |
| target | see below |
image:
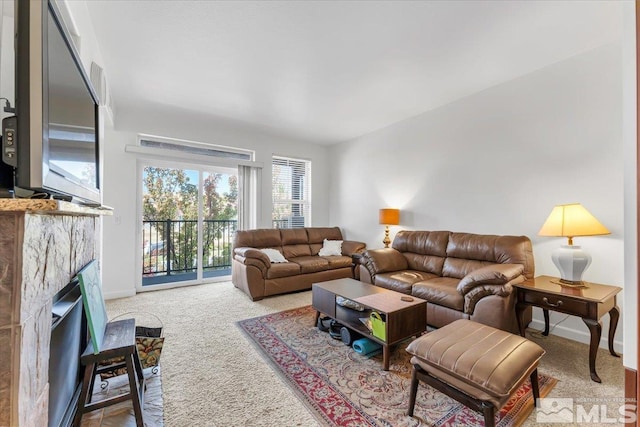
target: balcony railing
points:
(172, 246)
(170, 251)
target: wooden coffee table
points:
(403, 319)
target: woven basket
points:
(149, 340)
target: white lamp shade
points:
(572, 261)
(570, 221)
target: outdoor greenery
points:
(170, 208)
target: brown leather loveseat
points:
(461, 275)
(254, 273)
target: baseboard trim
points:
(631, 390)
(580, 336)
(119, 294)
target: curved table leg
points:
(595, 327)
(545, 312)
(614, 315)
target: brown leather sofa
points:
(253, 273)
(461, 275)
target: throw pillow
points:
(274, 255)
(331, 247)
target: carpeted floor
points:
(344, 388)
(213, 376)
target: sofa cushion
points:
(401, 281)
(284, 269)
(311, 264)
(293, 236)
(422, 242)
(428, 263)
(338, 261)
(440, 290)
(459, 268)
(266, 238)
(487, 249)
(318, 234)
(294, 251)
(480, 247)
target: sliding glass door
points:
(219, 222)
(189, 216)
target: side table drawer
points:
(558, 303)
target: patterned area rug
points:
(343, 388)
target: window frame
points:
(304, 199)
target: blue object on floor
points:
(366, 347)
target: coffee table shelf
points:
(351, 318)
(404, 319)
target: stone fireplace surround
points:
(43, 244)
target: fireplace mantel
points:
(50, 206)
(43, 244)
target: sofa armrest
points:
(495, 274)
(350, 247)
(476, 294)
(490, 280)
(252, 256)
(383, 260)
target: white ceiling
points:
(330, 71)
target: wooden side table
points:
(589, 303)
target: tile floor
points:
(121, 414)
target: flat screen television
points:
(53, 141)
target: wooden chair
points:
(119, 341)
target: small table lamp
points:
(389, 217)
(570, 221)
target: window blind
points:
(291, 189)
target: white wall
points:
(121, 239)
(497, 162)
(629, 137)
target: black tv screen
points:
(57, 110)
(72, 125)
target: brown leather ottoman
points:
(475, 364)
